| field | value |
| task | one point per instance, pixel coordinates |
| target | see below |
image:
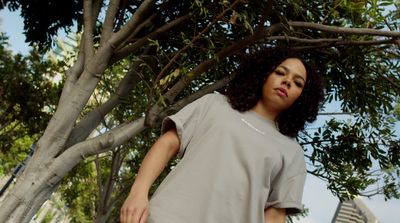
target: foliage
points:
(47, 218)
(396, 112)
(43, 19)
(27, 99)
(143, 60)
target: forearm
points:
(155, 161)
(275, 215)
(136, 205)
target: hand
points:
(135, 209)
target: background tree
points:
(181, 50)
(27, 100)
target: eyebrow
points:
(296, 75)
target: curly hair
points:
(245, 89)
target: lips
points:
(281, 91)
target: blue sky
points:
(317, 198)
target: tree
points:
(42, 19)
(181, 50)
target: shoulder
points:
(297, 158)
(293, 150)
(294, 145)
(212, 98)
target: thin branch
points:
(342, 30)
(209, 89)
(119, 194)
(330, 12)
(198, 70)
(101, 188)
(137, 30)
(221, 55)
(6, 112)
(320, 176)
(109, 186)
(334, 42)
(337, 113)
(191, 42)
(385, 78)
(122, 9)
(132, 24)
(391, 29)
(145, 40)
(264, 16)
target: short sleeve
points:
(185, 121)
(288, 191)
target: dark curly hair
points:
(245, 89)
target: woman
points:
(239, 162)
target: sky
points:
(320, 201)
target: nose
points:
(286, 82)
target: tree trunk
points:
(43, 174)
(27, 196)
(101, 218)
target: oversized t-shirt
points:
(233, 166)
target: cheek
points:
(296, 96)
(299, 93)
(265, 87)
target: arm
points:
(275, 215)
(136, 206)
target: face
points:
(282, 87)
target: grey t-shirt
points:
(233, 166)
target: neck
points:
(262, 110)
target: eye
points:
(298, 84)
(280, 73)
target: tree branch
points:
(99, 183)
(342, 30)
(73, 73)
(391, 29)
(198, 70)
(109, 21)
(161, 74)
(145, 40)
(91, 120)
(96, 8)
(88, 30)
(264, 16)
(132, 24)
(221, 55)
(396, 86)
(198, 94)
(109, 186)
(326, 16)
(136, 31)
(333, 42)
(337, 113)
(104, 142)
